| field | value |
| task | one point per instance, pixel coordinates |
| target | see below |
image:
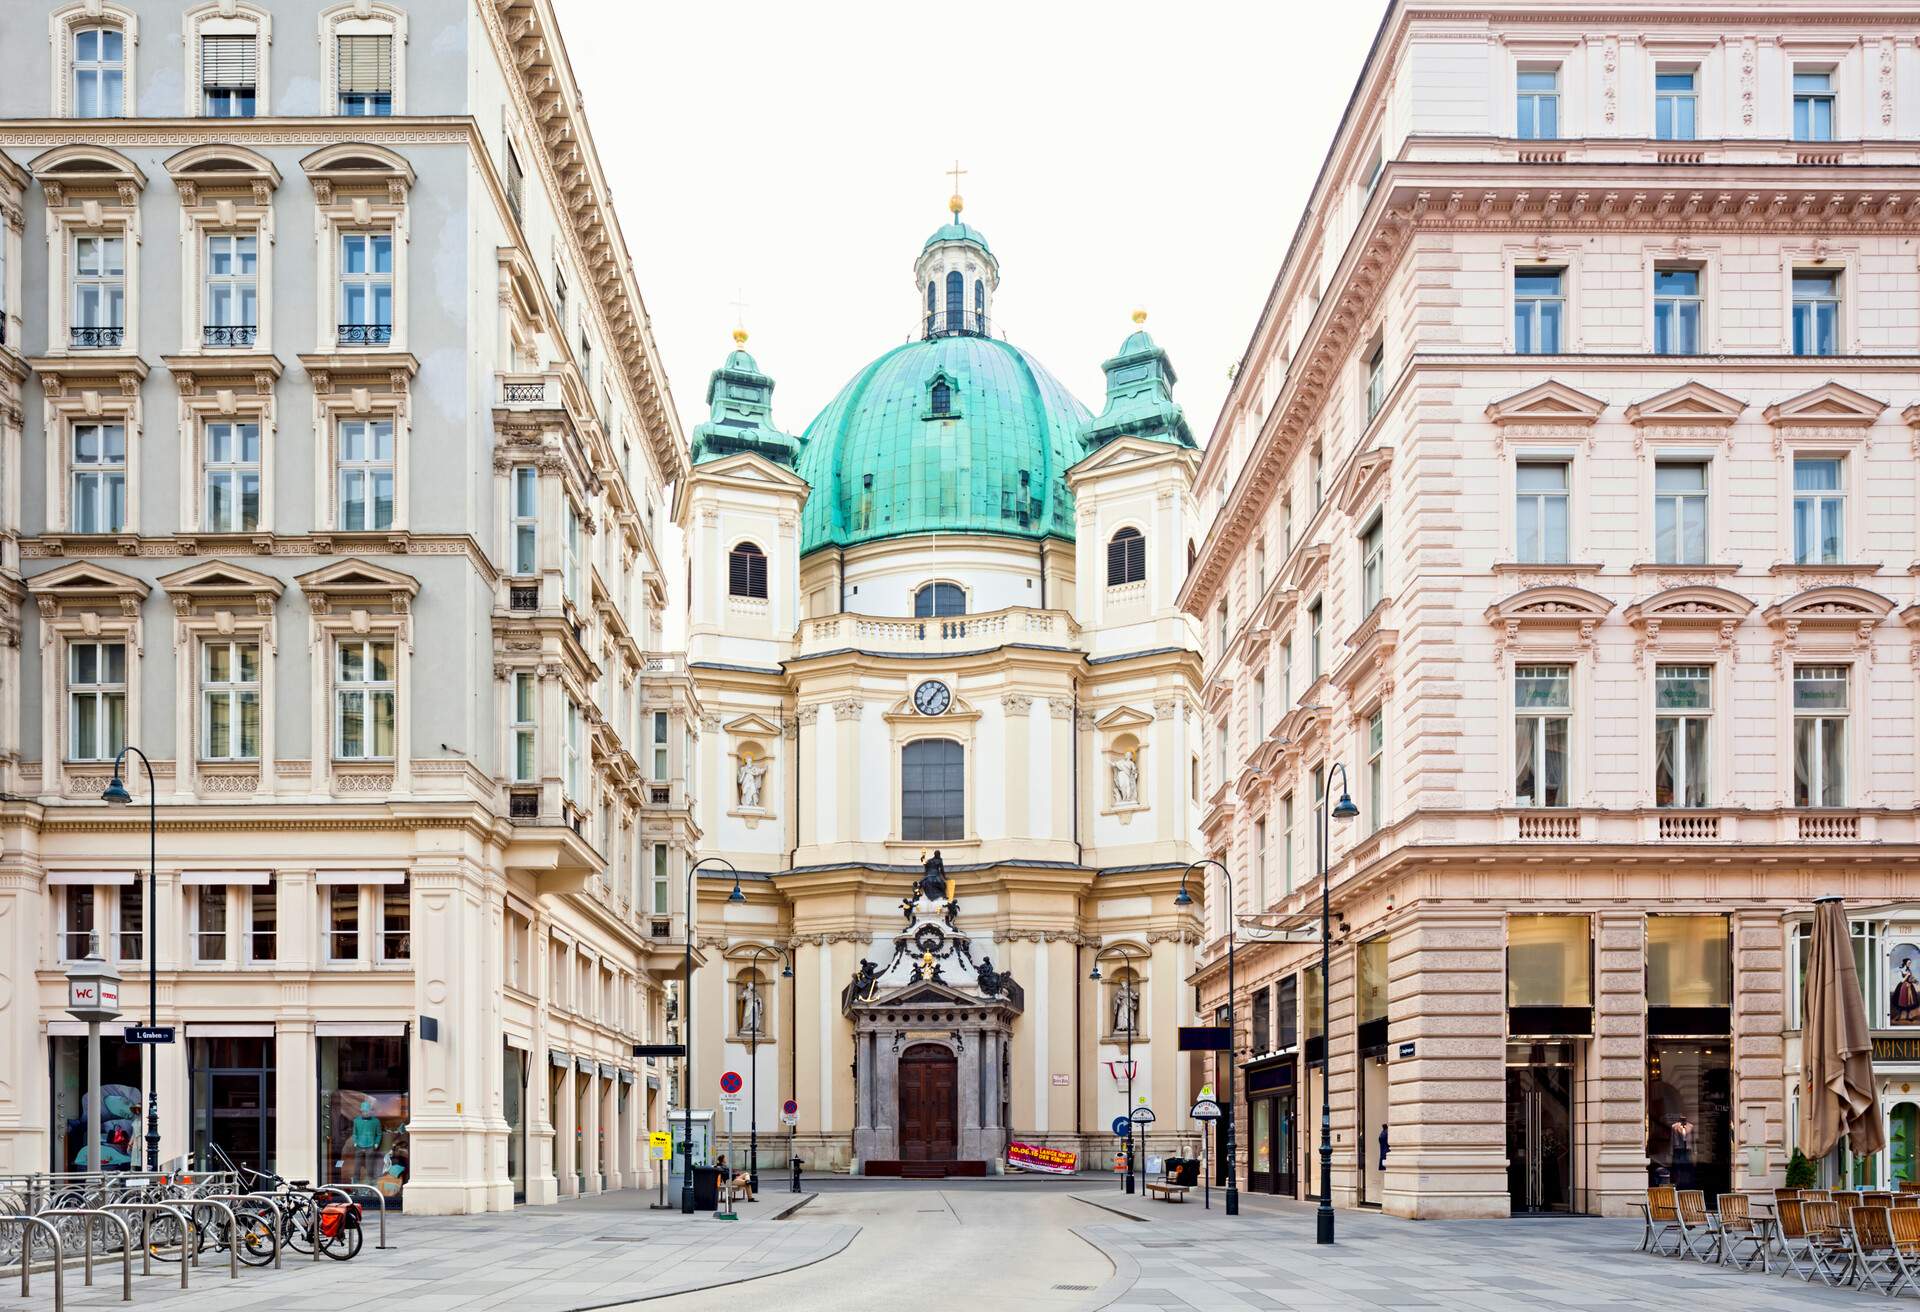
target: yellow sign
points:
(661, 1142)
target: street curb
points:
(793, 1207)
(1126, 1271)
(695, 1287)
(1092, 1202)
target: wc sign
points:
(93, 994)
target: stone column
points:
(295, 1086)
(446, 1134)
(970, 1141)
(543, 1184)
(1759, 1050)
(589, 1094)
(1617, 1064)
(24, 1091)
(564, 1162)
(1449, 1156)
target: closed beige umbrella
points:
(1836, 1051)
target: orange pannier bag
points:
(335, 1215)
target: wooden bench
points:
(1166, 1190)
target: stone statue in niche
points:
(1126, 779)
(751, 773)
(1126, 1007)
(752, 1008)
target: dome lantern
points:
(955, 277)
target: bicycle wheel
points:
(344, 1244)
(299, 1233)
(163, 1238)
(256, 1224)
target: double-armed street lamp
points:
(117, 794)
(1127, 960)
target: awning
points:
(359, 876)
(237, 1030)
(607, 1072)
(515, 1041)
(626, 1077)
(559, 1058)
(583, 1064)
(253, 878)
(58, 878)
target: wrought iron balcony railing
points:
(966, 323)
(228, 334)
(94, 338)
(366, 334)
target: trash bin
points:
(706, 1188)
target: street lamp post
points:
(753, 1056)
(686, 1092)
(1185, 899)
(117, 794)
(1344, 809)
(1126, 960)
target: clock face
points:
(932, 698)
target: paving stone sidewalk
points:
(1184, 1257)
(538, 1259)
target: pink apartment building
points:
(1566, 497)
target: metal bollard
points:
(146, 1210)
(279, 1222)
(340, 1184)
(26, 1260)
(797, 1164)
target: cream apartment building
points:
(1563, 515)
(336, 455)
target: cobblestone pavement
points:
(538, 1259)
(1184, 1257)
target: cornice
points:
(77, 546)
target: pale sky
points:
(1118, 155)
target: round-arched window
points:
(747, 571)
(935, 600)
(1126, 557)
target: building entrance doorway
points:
(1540, 1127)
(233, 1101)
(929, 1104)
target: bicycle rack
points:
(86, 1231)
(343, 1184)
(146, 1211)
(26, 1260)
(279, 1217)
(233, 1233)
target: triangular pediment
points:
(1828, 405)
(1694, 604)
(1130, 451)
(1835, 605)
(1123, 717)
(355, 575)
(1690, 404)
(748, 467)
(925, 993)
(752, 726)
(1370, 472)
(85, 578)
(217, 578)
(1547, 403)
(1555, 603)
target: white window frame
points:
(1374, 369)
(523, 726)
(1562, 328)
(1316, 633)
(1822, 718)
(1286, 843)
(68, 19)
(523, 520)
(1260, 870)
(661, 766)
(366, 692)
(100, 68)
(1536, 718)
(1691, 99)
(1818, 500)
(379, 895)
(369, 282)
(228, 18)
(1814, 68)
(365, 472)
(236, 692)
(1376, 749)
(1526, 126)
(1373, 563)
(1700, 298)
(1533, 504)
(330, 900)
(251, 900)
(363, 18)
(198, 897)
(104, 695)
(238, 244)
(1687, 503)
(573, 750)
(1837, 301)
(102, 475)
(234, 472)
(107, 289)
(1685, 768)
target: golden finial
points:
(1139, 316)
(954, 202)
(739, 336)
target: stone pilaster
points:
(1615, 1104)
(1759, 1049)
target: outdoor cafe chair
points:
(1905, 1224)
(1829, 1247)
(1663, 1219)
(1734, 1225)
(1696, 1233)
(1796, 1244)
(1870, 1231)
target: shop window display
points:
(363, 1111)
(120, 1104)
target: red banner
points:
(1032, 1157)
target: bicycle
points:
(334, 1227)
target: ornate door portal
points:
(929, 1104)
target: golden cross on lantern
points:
(956, 172)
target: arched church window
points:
(747, 571)
(979, 306)
(935, 600)
(933, 789)
(1126, 557)
(956, 301)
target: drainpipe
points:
(1043, 573)
(1079, 1101)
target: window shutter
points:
(1116, 561)
(227, 61)
(366, 64)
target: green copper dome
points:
(958, 231)
(950, 434)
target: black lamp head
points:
(736, 895)
(1344, 809)
(1183, 898)
(1096, 971)
(116, 792)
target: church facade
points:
(948, 753)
